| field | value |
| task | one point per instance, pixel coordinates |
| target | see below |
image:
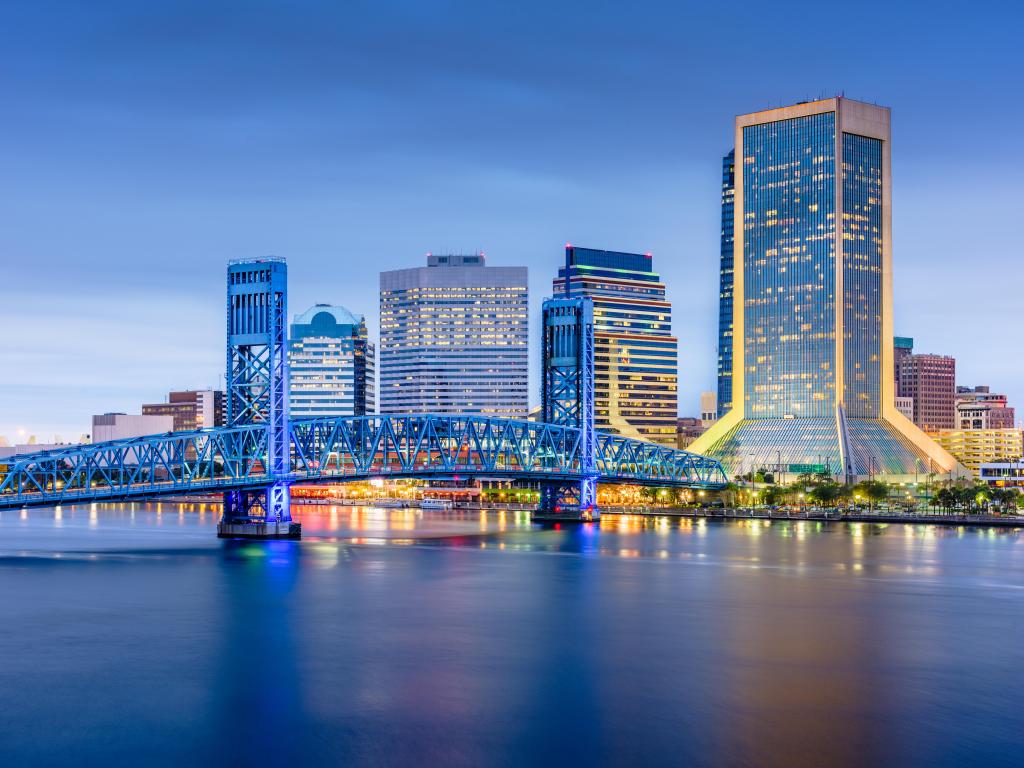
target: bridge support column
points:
(567, 399)
(257, 393)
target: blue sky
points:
(144, 144)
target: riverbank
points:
(823, 515)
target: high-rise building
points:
(453, 338)
(331, 364)
(980, 408)
(636, 366)
(901, 347)
(931, 381)
(725, 284)
(191, 409)
(812, 379)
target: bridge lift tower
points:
(257, 393)
(567, 398)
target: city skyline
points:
(132, 183)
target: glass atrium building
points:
(812, 380)
(635, 353)
(330, 364)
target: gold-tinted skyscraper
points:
(812, 381)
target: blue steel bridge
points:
(337, 450)
(261, 453)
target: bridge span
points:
(333, 450)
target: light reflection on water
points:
(402, 636)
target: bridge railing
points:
(334, 449)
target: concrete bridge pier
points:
(263, 514)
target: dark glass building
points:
(725, 286)
(812, 377)
(635, 357)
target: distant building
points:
(636, 364)
(931, 381)
(120, 426)
(6, 451)
(725, 284)
(190, 409)
(901, 347)
(812, 363)
(688, 429)
(1003, 474)
(453, 338)
(974, 447)
(708, 408)
(905, 405)
(331, 364)
(979, 408)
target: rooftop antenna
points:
(568, 261)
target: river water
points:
(129, 635)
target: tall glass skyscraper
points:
(453, 338)
(636, 366)
(330, 364)
(812, 380)
(725, 272)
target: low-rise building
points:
(1003, 474)
(688, 429)
(975, 447)
(980, 408)
(905, 405)
(119, 426)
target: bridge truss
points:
(238, 458)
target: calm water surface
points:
(129, 635)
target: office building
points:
(635, 353)
(905, 405)
(813, 379)
(190, 409)
(725, 283)
(708, 408)
(980, 408)
(453, 338)
(931, 381)
(688, 429)
(901, 347)
(975, 447)
(120, 426)
(331, 364)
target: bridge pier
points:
(263, 514)
(568, 502)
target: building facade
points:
(708, 408)
(931, 381)
(190, 409)
(980, 408)
(725, 284)
(905, 405)
(901, 347)
(975, 447)
(636, 363)
(119, 426)
(331, 364)
(1003, 474)
(688, 429)
(454, 338)
(813, 378)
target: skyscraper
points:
(636, 366)
(931, 381)
(901, 347)
(725, 278)
(813, 377)
(331, 364)
(453, 338)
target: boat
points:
(435, 504)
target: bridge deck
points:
(340, 450)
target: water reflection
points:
(403, 636)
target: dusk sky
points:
(146, 143)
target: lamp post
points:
(751, 481)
